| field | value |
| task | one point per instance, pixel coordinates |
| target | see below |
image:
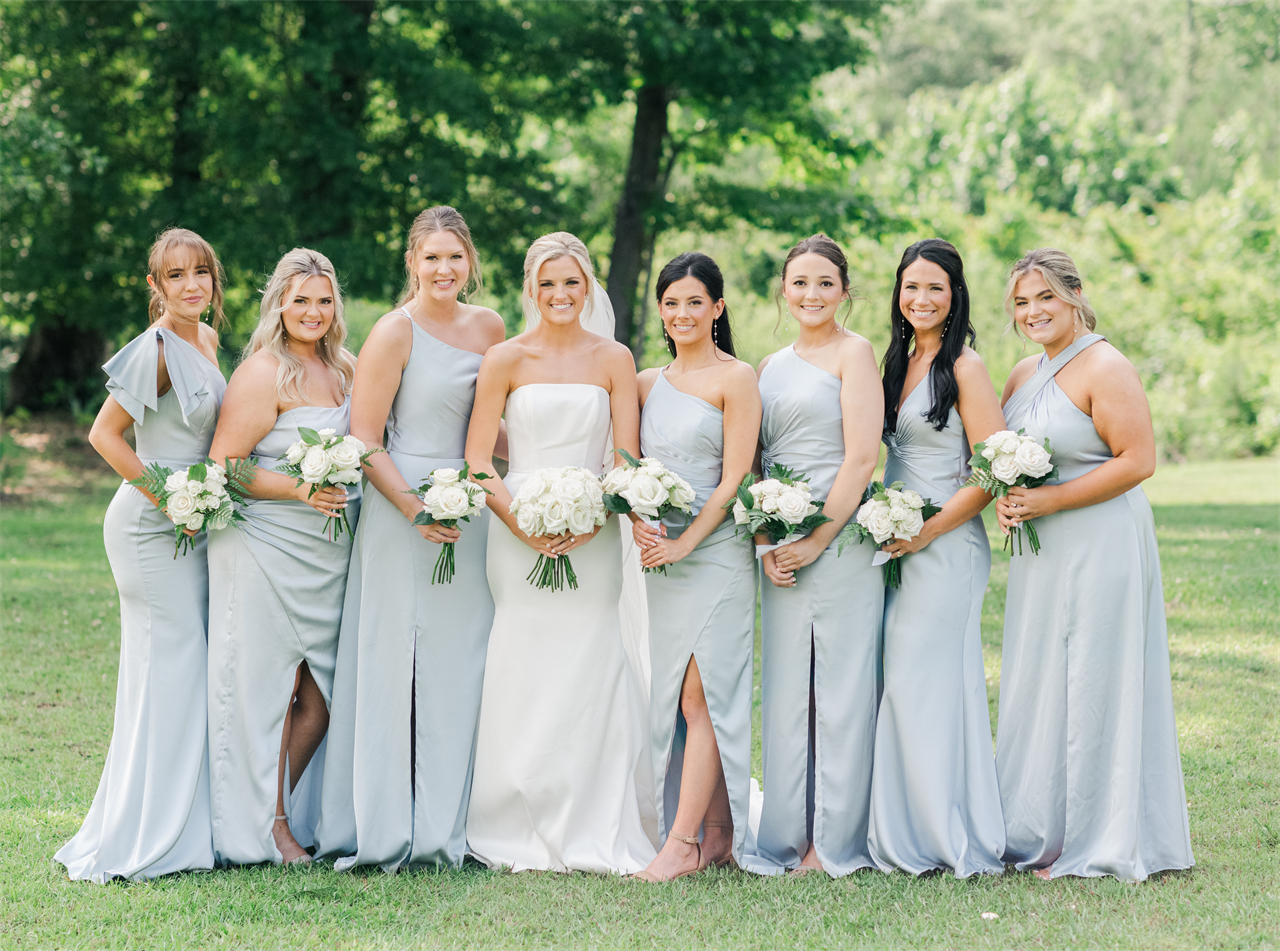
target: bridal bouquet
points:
(779, 506)
(648, 488)
(325, 459)
(448, 497)
(553, 501)
(199, 497)
(1007, 459)
(887, 512)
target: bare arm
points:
(493, 385)
(107, 437)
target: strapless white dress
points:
(561, 777)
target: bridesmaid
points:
(701, 419)
(820, 616)
(1087, 747)
(150, 815)
(276, 583)
(406, 693)
(934, 799)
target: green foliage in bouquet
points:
(444, 568)
(984, 479)
(856, 531)
(155, 477)
(759, 522)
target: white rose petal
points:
(793, 505)
(527, 521)
(1032, 460)
(617, 480)
(910, 526)
(555, 517)
(682, 495)
(344, 456)
(582, 519)
(879, 524)
(568, 489)
(315, 464)
(445, 476)
(1005, 468)
(453, 501)
(181, 505)
(176, 480)
(645, 494)
(913, 498)
(295, 453)
(739, 513)
(359, 446)
(326, 432)
(195, 522)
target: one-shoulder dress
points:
(822, 634)
(1086, 743)
(150, 815)
(934, 798)
(276, 587)
(703, 606)
(406, 694)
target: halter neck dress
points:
(276, 586)
(934, 798)
(406, 693)
(704, 606)
(822, 634)
(1087, 746)
(150, 815)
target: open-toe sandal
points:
(644, 876)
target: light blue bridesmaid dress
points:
(276, 586)
(934, 798)
(150, 815)
(1086, 746)
(825, 631)
(406, 695)
(704, 606)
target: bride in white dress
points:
(561, 779)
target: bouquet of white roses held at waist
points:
(1007, 459)
(779, 506)
(199, 497)
(892, 511)
(554, 501)
(648, 488)
(323, 458)
(449, 497)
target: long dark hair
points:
(698, 265)
(942, 374)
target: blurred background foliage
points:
(1141, 137)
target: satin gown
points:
(704, 606)
(561, 751)
(276, 586)
(825, 631)
(150, 815)
(406, 693)
(1087, 746)
(934, 798)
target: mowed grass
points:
(58, 655)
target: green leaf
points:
(309, 436)
(197, 472)
(616, 504)
(632, 461)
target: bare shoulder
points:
(969, 365)
(209, 337)
(739, 375)
(390, 330)
(645, 380)
(256, 373)
(616, 356)
(1022, 371)
(490, 323)
(1102, 357)
(763, 363)
(502, 357)
(856, 348)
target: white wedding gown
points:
(561, 776)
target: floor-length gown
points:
(150, 815)
(823, 634)
(703, 606)
(1086, 746)
(276, 585)
(561, 745)
(934, 798)
(406, 694)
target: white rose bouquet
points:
(779, 506)
(449, 497)
(648, 488)
(324, 458)
(892, 511)
(199, 497)
(553, 501)
(1007, 459)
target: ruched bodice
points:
(685, 434)
(933, 462)
(803, 426)
(432, 408)
(556, 424)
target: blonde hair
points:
(1062, 276)
(549, 247)
(169, 242)
(429, 222)
(294, 268)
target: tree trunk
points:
(630, 222)
(60, 368)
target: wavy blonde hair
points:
(160, 259)
(294, 268)
(429, 222)
(549, 247)
(1062, 276)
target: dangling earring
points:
(714, 333)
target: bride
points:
(560, 779)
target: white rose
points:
(536, 485)
(177, 480)
(667, 478)
(315, 464)
(555, 516)
(793, 505)
(879, 525)
(322, 433)
(681, 494)
(645, 494)
(1005, 468)
(910, 526)
(739, 513)
(195, 522)
(582, 520)
(864, 512)
(213, 484)
(567, 489)
(356, 443)
(616, 480)
(295, 453)
(770, 488)
(344, 456)
(898, 510)
(445, 476)
(650, 463)
(345, 477)
(194, 487)
(527, 521)
(1006, 441)
(181, 506)
(593, 493)
(453, 501)
(768, 504)
(1032, 460)
(913, 498)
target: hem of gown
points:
(77, 871)
(1079, 873)
(513, 867)
(761, 866)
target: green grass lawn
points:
(58, 655)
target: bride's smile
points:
(562, 290)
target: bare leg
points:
(701, 774)
(717, 827)
(304, 727)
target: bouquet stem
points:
(1033, 539)
(553, 573)
(893, 573)
(443, 571)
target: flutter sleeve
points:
(131, 374)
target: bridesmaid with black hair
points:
(934, 799)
